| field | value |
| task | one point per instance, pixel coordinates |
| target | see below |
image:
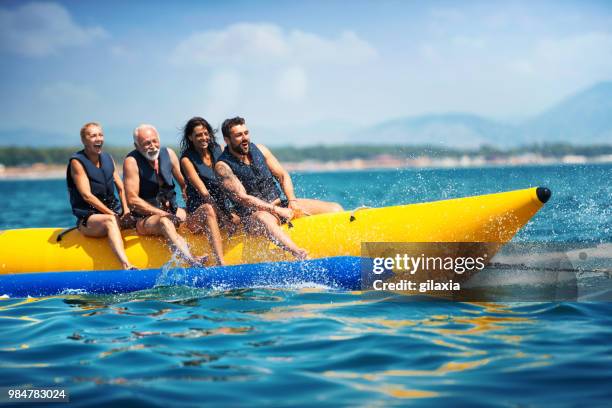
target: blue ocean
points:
(180, 346)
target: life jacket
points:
(101, 184)
(153, 189)
(208, 177)
(256, 178)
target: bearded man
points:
(149, 172)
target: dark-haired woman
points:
(206, 200)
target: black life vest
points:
(152, 189)
(256, 178)
(208, 177)
(101, 183)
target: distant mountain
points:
(453, 129)
(585, 117)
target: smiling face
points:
(93, 139)
(200, 138)
(147, 143)
(238, 140)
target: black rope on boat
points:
(64, 232)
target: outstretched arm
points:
(176, 172)
(283, 177)
(120, 190)
(236, 190)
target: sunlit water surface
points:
(178, 346)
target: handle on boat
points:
(362, 207)
(64, 232)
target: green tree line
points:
(23, 156)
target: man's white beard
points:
(152, 156)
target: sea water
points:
(179, 346)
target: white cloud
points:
(592, 49)
(262, 70)
(428, 51)
(268, 44)
(238, 43)
(347, 49)
(522, 67)
(277, 77)
(292, 84)
(585, 57)
(222, 94)
(119, 51)
(41, 29)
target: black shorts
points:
(82, 221)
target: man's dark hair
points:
(191, 124)
(230, 123)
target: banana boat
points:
(49, 261)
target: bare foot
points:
(301, 254)
(199, 261)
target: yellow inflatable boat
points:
(493, 218)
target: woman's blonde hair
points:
(88, 125)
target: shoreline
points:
(37, 171)
(426, 162)
(41, 171)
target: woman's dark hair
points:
(191, 124)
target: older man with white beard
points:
(149, 172)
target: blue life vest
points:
(208, 177)
(256, 178)
(101, 184)
(153, 189)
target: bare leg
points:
(158, 225)
(312, 207)
(104, 225)
(204, 219)
(229, 222)
(181, 216)
(264, 223)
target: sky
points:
(300, 72)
